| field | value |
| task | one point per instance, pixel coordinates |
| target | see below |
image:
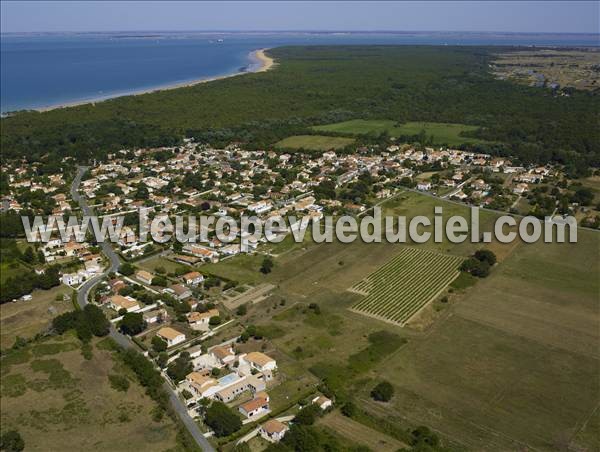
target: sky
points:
(509, 16)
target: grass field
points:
(404, 285)
(359, 433)
(443, 133)
(11, 269)
(516, 365)
(155, 262)
(242, 268)
(58, 400)
(314, 142)
(27, 318)
(508, 363)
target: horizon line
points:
(302, 31)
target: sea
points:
(44, 70)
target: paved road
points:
(122, 340)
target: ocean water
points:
(44, 70)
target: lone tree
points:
(96, 319)
(308, 415)
(267, 265)
(158, 344)
(179, 368)
(221, 419)
(11, 441)
(485, 256)
(422, 438)
(126, 269)
(159, 281)
(480, 264)
(133, 323)
(383, 392)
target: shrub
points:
(119, 382)
(11, 441)
(267, 265)
(383, 392)
(159, 281)
(349, 409)
(126, 269)
(485, 256)
(158, 344)
(179, 368)
(308, 415)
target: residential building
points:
(171, 336)
(201, 384)
(144, 276)
(200, 320)
(322, 402)
(118, 302)
(181, 291)
(193, 278)
(273, 430)
(223, 354)
(259, 361)
(256, 406)
(72, 279)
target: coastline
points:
(259, 56)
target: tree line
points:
(321, 84)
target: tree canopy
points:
(323, 84)
(221, 419)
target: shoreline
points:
(258, 56)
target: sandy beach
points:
(266, 63)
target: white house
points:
(322, 402)
(118, 302)
(273, 430)
(72, 279)
(202, 385)
(256, 406)
(193, 278)
(223, 354)
(424, 186)
(200, 320)
(259, 361)
(171, 336)
(156, 316)
(144, 276)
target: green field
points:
(314, 142)
(11, 269)
(28, 318)
(404, 285)
(442, 133)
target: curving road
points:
(121, 339)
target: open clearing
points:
(516, 365)
(251, 295)
(27, 318)
(509, 363)
(58, 400)
(405, 284)
(359, 433)
(314, 142)
(442, 133)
